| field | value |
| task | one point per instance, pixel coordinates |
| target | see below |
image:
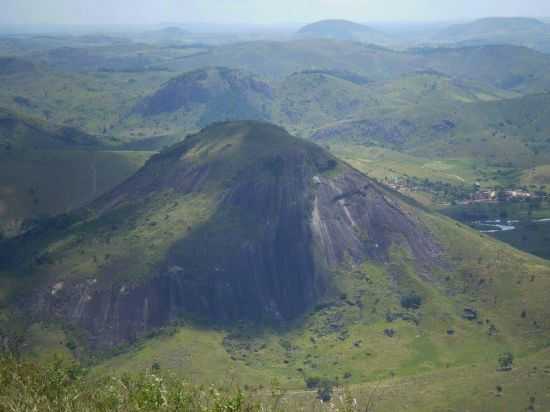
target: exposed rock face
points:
(291, 214)
(352, 217)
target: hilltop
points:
(343, 30)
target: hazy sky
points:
(258, 11)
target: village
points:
(465, 195)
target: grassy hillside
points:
(307, 99)
(19, 132)
(47, 169)
(508, 133)
(93, 102)
(35, 184)
(537, 176)
(346, 337)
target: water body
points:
(494, 226)
(499, 225)
(531, 236)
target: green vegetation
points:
(65, 387)
(343, 340)
(505, 361)
(388, 333)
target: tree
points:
(505, 361)
(324, 392)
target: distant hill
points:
(205, 87)
(504, 66)
(492, 64)
(308, 99)
(509, 133)
(199, 97)
(499, 30)
(343, 30)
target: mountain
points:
(239, 222)
(342, 30)
(246, 249)
(520, 31)
(202, 96)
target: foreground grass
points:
(65, 387)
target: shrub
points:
(505, 361)
(411, 301)
(324, 392)
(313, 382)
